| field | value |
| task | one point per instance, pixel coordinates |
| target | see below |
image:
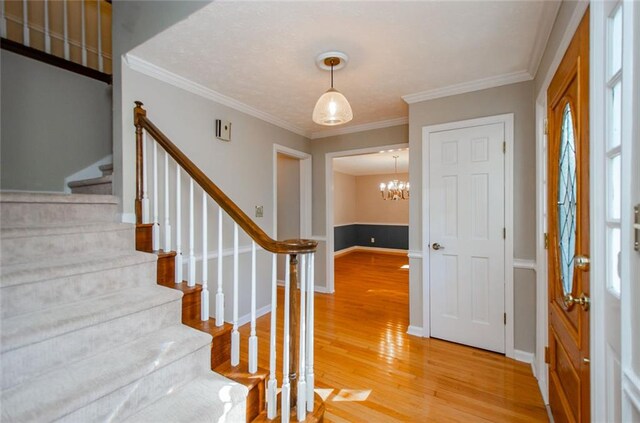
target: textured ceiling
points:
(262, 54)
(373, 164)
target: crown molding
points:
(467, 87)
(360, 128)
(161, 74)
(545, 25)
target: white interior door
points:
(466, 235)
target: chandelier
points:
(395, 189)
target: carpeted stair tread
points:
(62, 229)
(57, 266)
(210, 398)
(40, 325)
(30, 197)
(105, 179)
(70, 388)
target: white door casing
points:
(468, 285)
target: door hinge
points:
(504, 233)
(546, 127)
(636, 227)
(546, 355)
(504, 146)
(546, 241)
(505, 318)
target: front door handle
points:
(581, 263)
(437, 246)
(583, 300)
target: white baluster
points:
(155, 238)
(302, 384)
(145, 178)
(100, 59)
(191, 281)
(47, 35)
(219, 294)
(235, 335)
(272, 384)
(83, 34)
(178, 226)
(204, 295)
(3, 20)
(65, 27)
(25, 23)
(167, 222)
(253, 339)
(286, 386)
(310, 375)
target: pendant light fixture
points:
(332, 108)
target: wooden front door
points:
(568, 214)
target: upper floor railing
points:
(297, 388)
(77, 31)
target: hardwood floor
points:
(369, 370)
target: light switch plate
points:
(259, 211)
(223, 130)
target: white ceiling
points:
(260, 56)
(373, 164)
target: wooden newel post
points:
(139, 112)
(294, 330)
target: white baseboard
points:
(243, 320)
(317, 288)
(371, 249)
(415, 331)
(524, 356)
(127, 217)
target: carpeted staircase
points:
(87, 334)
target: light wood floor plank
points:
(375, 372)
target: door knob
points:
(584, 301)
(437, 246)
(581, 263)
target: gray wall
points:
(319, 148)
(517, 99)
(242, 168)
(288, 218)
(54, 123)
(134, 22)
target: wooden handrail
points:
(140, 120)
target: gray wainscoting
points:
(386, 236)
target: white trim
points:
(345, 251)
(541, 163)
(469, 86)
(524, 264)
(524, 356)
(415, 254)
(360, 128)
(567, 36)
(415, 331)
(320, 238)
(140, 65)
(370, 249)
(328, 172)
(371, 224)
(545, 25)
(305, 188)
(127, 217)
(243, 320)
(507, 121)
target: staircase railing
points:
(72, 34)
(297, 389)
